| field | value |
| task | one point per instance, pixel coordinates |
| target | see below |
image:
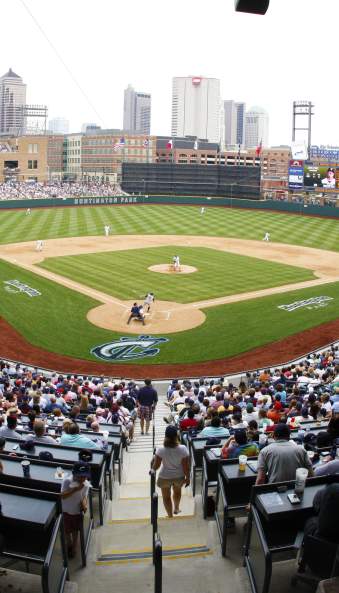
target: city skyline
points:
(251, 55)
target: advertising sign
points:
(328, 153)
(296, 174)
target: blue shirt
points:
(214, 431)
(77, 440)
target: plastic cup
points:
(60, 472)
(300, 480)
(242, 462)
(25, 464)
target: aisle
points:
(143, 443)
(120, 556)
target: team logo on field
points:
(312, 303)
(127, 348)
(17, 286)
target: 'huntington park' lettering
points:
(312, 303)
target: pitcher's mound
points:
(169, 269)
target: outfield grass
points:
(219, 273)
(176, 220)
(56, 320)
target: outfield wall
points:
(291, 207)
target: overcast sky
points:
(269, 61)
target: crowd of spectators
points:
(22, 190)
(39, 399)
(249, 414)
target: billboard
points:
(296, 174)
(299, 151)
(322, 176)
(328, 153)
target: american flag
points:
(119, 144)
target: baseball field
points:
(234, 295)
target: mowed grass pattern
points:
(56, 320)
(176, 220)
(125, 274)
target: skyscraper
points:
(256, 127)
(241, 108)
(196, 107)
(230, 122)
(137, 111)
(12, 102)
(58, 125)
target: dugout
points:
(191, 180)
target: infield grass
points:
(125, 274)
(56, 321)
(175, 220)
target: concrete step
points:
(141, 490)
(140, 508)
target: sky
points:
(105, 45)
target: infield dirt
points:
(169, 317)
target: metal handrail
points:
(157, 560)
(154, 521)
(153, 431)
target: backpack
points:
(210, 506)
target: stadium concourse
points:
(60, 413)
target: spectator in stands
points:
(326, 507)
(215, 429)
(189, 422)
(40, 435)
(238, 444)
(175, 470)
(147, 399)
(74, 493)
(9, 431)
(73, 438)
(278, 461)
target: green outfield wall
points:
(292, 207)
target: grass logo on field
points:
(17, 286)
(127, 348)
(312, 303)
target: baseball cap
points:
(171, 431)
(82, 469)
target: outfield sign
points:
(106, 200)
(312, 303)
(127, 348)
(17, 286)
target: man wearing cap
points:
(280, 460)
(74, 492)
(147, 400)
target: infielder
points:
(39, 245)
(107, 229)
(266, 237)
(149, 299)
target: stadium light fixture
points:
(252, 6)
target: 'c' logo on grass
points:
(128, 348)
